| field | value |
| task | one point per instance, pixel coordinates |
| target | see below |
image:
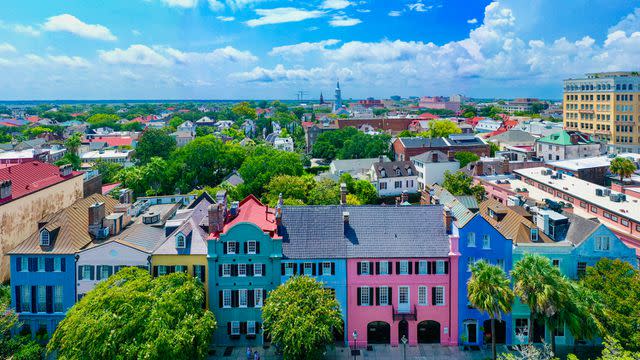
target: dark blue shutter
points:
(63, 264)
(18, 299)
(257, 247)
(80, 272)
(48, 264)
(358, 296)
(34, 299)
(333, 268)
(49, 299)
(446, 267)
(18, 263)
(92, 272)
(264, 270)
(110, 270)
(98, 272)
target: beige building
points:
(28, 193)
(606, 105)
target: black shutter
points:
(389, 295)
(389, 267)
(33, 266)
(155, 271)
(295, 268)
(371, 295)
(63, 264)
(313, 269)
(258, 327)
(398, 267)
(234, 269)
(243, 327)
(236, 297)
(237, 247)
(251, 298)
(172, 269)
(34, 299)
(224, 251)
(378, 296)
(220, 270)
(220, 298)
(377, 271)
(417, 267)
(245, 247)
(48, 264)
(333, 268)
(359, 293)
(264, 295)
(80, 272)
(250, 269)
(203, 273)
(229, 328)
(264, 270)
(446, 267)
(433, 296)
(98, 272)
(18, 299)
(282, 268)
(409, 267)
(49, 299)
(434, 270)
(257, 249)
(358, 264)
(91, 272)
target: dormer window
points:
(398, 173)
(409, 171)
(534, 235)
(383, 173)
(45, 239)
(181, 241)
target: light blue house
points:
(308, 251)
(479, 240)
(43, 273)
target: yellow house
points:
(185, 246)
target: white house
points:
(283, 143)
(122, 157)
(431, 166)
(392, 178)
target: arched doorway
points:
(429, 332)
(403, 330)
(501, 331)
(378, 332)
(338, 333)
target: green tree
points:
(137, 317)
(243, 111)
(442, 128)
(490, 291)
(622, 167)
(617, 285)
(108, 170)
(614, 351)
(154, 143)
(326, 192)
(406, 133)
(291, 187)
(103, 120)
(132, 126)
(459, 183)
(72, 144)
(265, 163)
(365, 192)
(465, 157)
(493, 147)
(301, 316)
(176, 121)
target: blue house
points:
(308, 248)
(479, 240)
(43, 274)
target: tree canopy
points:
(442, 128)
(103, 120)
(134, 316)
(301, 316)
(349, 143)
(458, 183)
(263, 164)
(622, 167)
(465, 157)
(154, 143)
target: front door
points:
(403, 299)
(472, 332)
(403, 330)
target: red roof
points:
(33, 119)
(428, 116)
(253, 211)
(4, 123)
(474, 120)
(307, 124)
(32, 176)
(106, 189)
(113, 141)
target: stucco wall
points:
(188, 260)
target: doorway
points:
(403, 330)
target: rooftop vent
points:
(150, 218)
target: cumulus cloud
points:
(472, 21)
(216, 5)
(419, 7)
(302, 48)
(343, 20)
(26, 29)
(71, 24)
(69, 61)
(281, 74)
(181, 3)
(6, 48)
(225, 18)
(283, 15)
(394, 13)
(136, 54)
(629, 24)
(335, 4)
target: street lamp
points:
(355, 344)
(404, 346)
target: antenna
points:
(301, 94)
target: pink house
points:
(413, 294)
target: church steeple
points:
(338, 95)
(321, 98)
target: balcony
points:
(412, 314)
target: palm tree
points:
(622, 167)
(490, 291)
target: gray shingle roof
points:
(372, 231)
(579, 228)
(390, 168)
(420, 142)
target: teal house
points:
(244, 261)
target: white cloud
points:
(130, 75)
(216, 5)
(6, 47)
(26, 29)
(472, 21)
(137, 54)
(419, 7)
(363, 10)
(283, 15)
(232, 54)
(69, 61)
(281, 74)
(225, 18)
(395, 13)
(342, 20)
(302, 48)
(335, 4)
(228, 54)
(181, 3)
(629, 24)
(136, 32)
(71, 24)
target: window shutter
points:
(63, 263)
(417, 267)
(251, 298)
(282, 268)
(238, 247)
(18, 263)
(333, 268)
(234, 269)
(110, 270)
(220, 270)
(33, 264)
(264, 294)
(220, 298)
(49, 299)
(371, 295)
(433, 295)
(295, 269)
(377, 272)
(397, 267)
(48, 264)
(203, 273)
(313, 269)
(172, 269)
(224, 251)
(250, 269)
(257, 249)
(80, 272)
(243, 327)
(99, 272)
(236, 297)
(378, 296)
(91, 272)
(371, 267)
(433, 267)
(258, 327)
(264, 270)
(409, 267)
(446, 267)
(245, 247)
(34, 300)
(229, 328)
(359, 267)
(359, 298)
(389, 295)
(155, 271)
(17, 297)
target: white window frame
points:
(423, 298)
(45, 238)
(307, 269)
(364, 294)
(536, 233)
(41, 298)
(25, 296)
(235, 328)
(601, 241)
(440, 267)
(181, 241)
(57, 264)
(86, 272)
(365, 268)
(257, 269)
(326, 268)
(24, 264)
(243, 294)
(231, 249)
(257, 298)
(226, 298)
(242, 270)
(41, 267)
(104, 272)
(226, 270)
(470, 262)
(163, 270)
(384, 296)
(440, 293)
(251, 327)
(384, 268)
(500, 263)
(252, 243)
(288, 269)
(58, 294)
(471, 239)
(422, 267)
(486, 241)
(404, 267)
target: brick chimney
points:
(343, 194)
(215, 218)
(448, 220)
(434, 157)
(381, 158)
(5, 188)
(279, 210)
(479, 168)
(96, 216)
(65, 170)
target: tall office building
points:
(606, 105)
(337, 105)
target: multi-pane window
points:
(226, 270)
(235, 328)
(603, 243)
(44, 238)
(307, 268)
(257, 269)
(422, 295)
(384, 295)
(440, 267)
(364, 296)
(251, 247)
(24, 264)
(57, 298)
(500, 263)
(57, 264)
(251, 327)
(470, 261)
(181, 241)
(42, 298)
(422, 267)
(555, 262)
(522, 327)
(226, 298)
(439, 295)
(534, 235)
(326, 268)
(231, 247)
(86, 272)
(163, 270)
(104, 271)
(559, 330)
(471, 239)
(384, 267)
(404, 267)
(288, 269)
(242, 269)
(25, 298)
(582, 269)
(40, 264)
(243, 297)
(198, 272)
(257, 297)
(364, 268)
(486, 241)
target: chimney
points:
(448, 220)
(404, 198)
(434, 157)
(126, 195)
(279, 210)
(345, 217)
(216, 218)
(381, 158)
(65, 170)
(343, 194)
(505, 166)
(479, 168)
(5, 188)
(221, 198)
(96, 216)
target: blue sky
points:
(263, 49)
